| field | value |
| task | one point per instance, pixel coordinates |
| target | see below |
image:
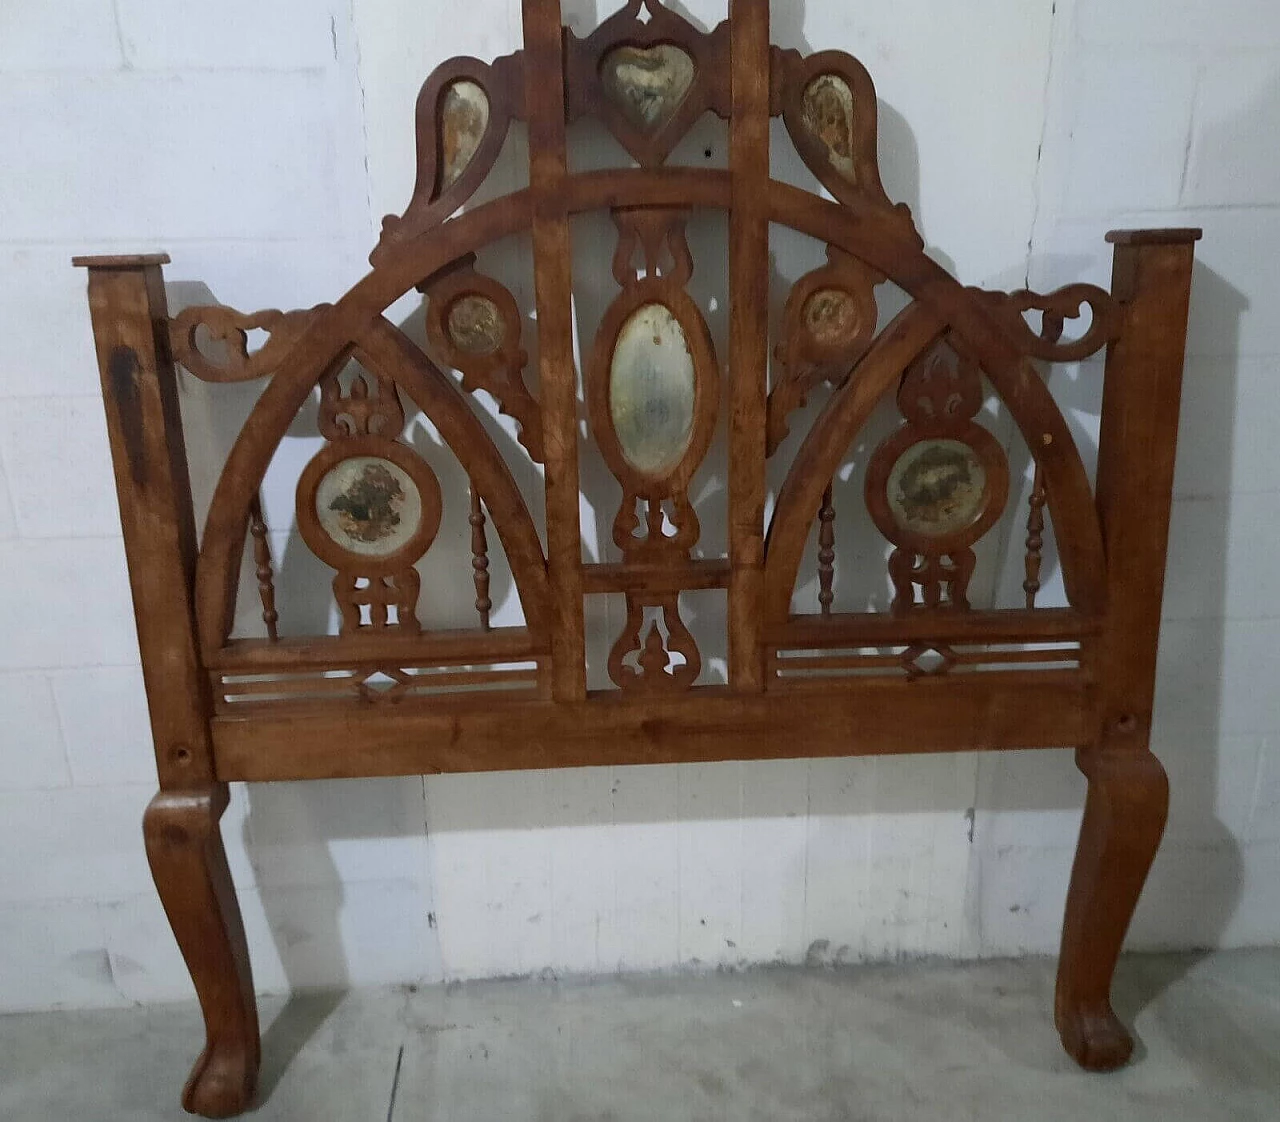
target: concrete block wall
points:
(260, 144)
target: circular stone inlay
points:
(368, 505)
(937, 487)
(475, 324)
(831, 316)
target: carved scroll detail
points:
(1056, 308)
(473, 325)
(228, 330)
(827, 324)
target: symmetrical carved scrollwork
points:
(1056, 308)
(226, 332)
(640, 660)
(938, 484)
(647, 79)
(473, 324)
(827, 324)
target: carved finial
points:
(1035, 537)
(480, 560)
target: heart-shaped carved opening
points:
(647, 83)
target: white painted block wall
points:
(260, 142)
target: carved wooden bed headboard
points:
(390, 696)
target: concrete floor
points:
(916, 1043)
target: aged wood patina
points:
(389, 695)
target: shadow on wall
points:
(844, 833)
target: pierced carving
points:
(386, 601)
(648, 79)
(473, 325)
(368, 505)
(938, 484)
(1056, 308)
(370, 406)
(640, 660)
(653, 386)
(827, 324)
(213, 342)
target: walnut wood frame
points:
(1096, 699)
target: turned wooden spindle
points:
(826, 551)
(480, 560)
(1035, 538)
(262, 559)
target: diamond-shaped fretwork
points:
(387, 684)
(925, 660)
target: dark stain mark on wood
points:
(122, 374)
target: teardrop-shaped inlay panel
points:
(647, 83)
(464, 117)
(827, 112)
(652, 385)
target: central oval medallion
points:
(368, 505)
(652, 386)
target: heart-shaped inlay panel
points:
(647, 83)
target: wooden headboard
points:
(791, 388)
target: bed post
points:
(1128, 793)
(184, 844)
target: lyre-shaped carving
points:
(654, 670)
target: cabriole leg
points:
(1124, 820)
(184, 846)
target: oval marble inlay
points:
(475, 324)
(464, 117)
(651, 390)
(647, 83)
(368, 505)
(937, 487)
(826, 108)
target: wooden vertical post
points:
(748, 334)
(184, 845)
(1128, 794)
(553, 281)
